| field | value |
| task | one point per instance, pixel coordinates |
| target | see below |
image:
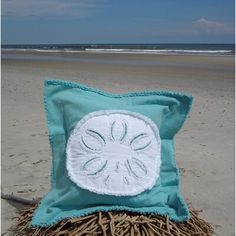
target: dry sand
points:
(204, 146)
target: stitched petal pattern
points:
(114, 152)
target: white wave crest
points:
(159, 51)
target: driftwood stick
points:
(11, 197)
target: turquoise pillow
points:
(112, 152)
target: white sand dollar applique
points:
(114, 152)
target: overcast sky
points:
(117, 21)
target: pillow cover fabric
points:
(112, 152)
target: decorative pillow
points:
(112, 152)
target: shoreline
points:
(125, 53)
(124, 48)
(222, 62)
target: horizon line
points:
(32, 44)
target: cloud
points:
(78, 8)
(207, 26)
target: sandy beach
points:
(204, 146)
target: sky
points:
(117, 21)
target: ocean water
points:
(192, 49)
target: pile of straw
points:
(117, 223)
